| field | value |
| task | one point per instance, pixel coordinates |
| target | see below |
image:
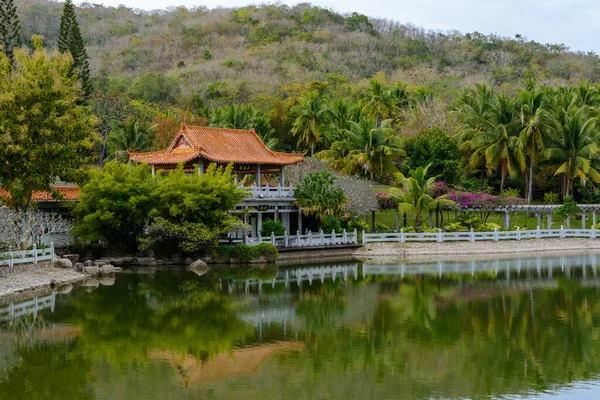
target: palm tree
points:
(317, 194)
(574, 149)
(129, 135)
(377, 102)
(245, 117)
(413, 194)
(368, 149)
(312, 114)
(536, 125)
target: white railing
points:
(272, 192)
(308, 240)
(29, 307)
(33, 256)
(472, 236)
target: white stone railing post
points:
(35, 255)
(298, 239)
(538, 233)
(471, 235)
(333, 237)
(286, 239)
(355, 238)
(310, 238)
(402, 238)
(518, 233)
(496, 238)
(364, 237)
(562, 231)
(11, 260)
(322, 237)
(345, 237)
(440, 237)
(273, 238)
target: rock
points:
(101, 262)
(109, 269)
(72, 257)
(65, 289)
(177, 259)
(107, 281)
(90, 263)
(152, 264)
(63, 263)
(91, 270)
(78, 266)
(128, 260)
(144, 260)
(160, 262)
(199, 268)
(117, 261)
(188, 261)
(198, 263)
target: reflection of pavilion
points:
(240, 362)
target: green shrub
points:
(453, 227)
(382, 228)
(270, 225)
(359, 224)
(331, 223)
(244, 252)
(568, 208)
(488, 227)
(550, 198)
(268, 251)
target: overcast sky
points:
(572, 22)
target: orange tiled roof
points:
(220, 145)
(69, 193)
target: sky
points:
(570, 22)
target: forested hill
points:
(193, 58)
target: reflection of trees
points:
(467, 340)
(135, 317)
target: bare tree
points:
(18, 228)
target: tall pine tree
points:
(10, 32)
(69, 39)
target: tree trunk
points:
(312, 149)
(502, 175)
(482, 177)
(418, 221)
(405, 220)
(530, 191)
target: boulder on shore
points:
(199, 267)
(63, 263)
(144, 260)
(109, 269)
(91, 270)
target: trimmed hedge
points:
(244, 252)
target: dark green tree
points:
(10, 32)
(70, 40)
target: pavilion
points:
(196, 147)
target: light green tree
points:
(311, 116)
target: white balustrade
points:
(33, 256)
(271, 192)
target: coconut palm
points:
(129, 135)
(312, 115)
(536, 126)
(377, 102)
(368, 149)
(574, 149)
(318, 195)
(413, 194)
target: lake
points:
(494, 328)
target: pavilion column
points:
(258, 222)
(200, 167)
(258, 176)
(506, 220)
(153, 170)
(282, 176)
(549, 218)
(594, 217)
(568, 222)
(538, 214)
(285, 220)
(583, 220)
(299, 221)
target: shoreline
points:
(31, 280)
(467, 249)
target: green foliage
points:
(433, 147)
(318, 195)
(70, 40)
(45, 132)
(244, 252)
(10, 31)
(191, 211)
(382, 228)
(129, 136)
(331, 223)
(114, 206)
(270, 225)
(568, 208)
(551, 198)
(358, 223)
(360, 23)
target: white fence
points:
(272, 192)
(309, 240)
(29, 307)
(33, 256)
(471, 236)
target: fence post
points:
(472, 236)
(592, 233)
(298, 243)
(34, 254)
(345, 237)
(11, 260)
(310, 238)
(496, 234)
(562, 231)
(402, 238)
(322, 237)
(286, 239)
(440, 238)
(518, 233)
(538, 233)
(273, 238)
(355, 239)
(364, 237)
(333, 237)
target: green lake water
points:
(506, 328)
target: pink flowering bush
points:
(386, 201)
(482, 199)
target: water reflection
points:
(504, 327)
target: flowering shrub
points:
(483, 200)
(438, 189)
(386, 201)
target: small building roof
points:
(69, 193)
(220, 145)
